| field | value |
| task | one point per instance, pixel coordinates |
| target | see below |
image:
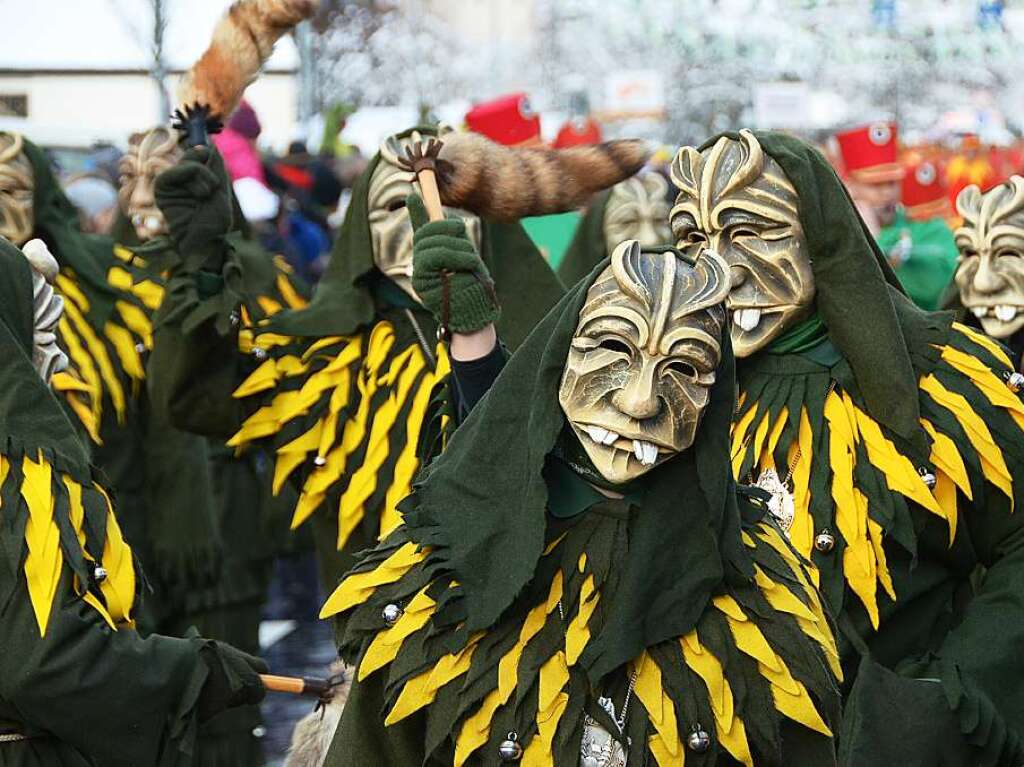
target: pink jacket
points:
(240, 157)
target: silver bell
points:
(320, 461)
(510, 750)
(927, 476)
(259, 353)
(824, 542)
(99, 574)
(235, 319)
(391, 613)
(140, 348)
(1014, 381)
(698, 740)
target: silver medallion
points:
(598, 748)
(781, 503)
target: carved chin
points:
(753, 329)
(618, 458)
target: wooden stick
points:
(431, 195)
(294, 685)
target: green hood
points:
(30, 418)
(869, 318)
(483, 503)
(344, 300)
(56, 223)
(588, 247)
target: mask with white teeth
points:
(390, 228)
(737, 201)
(990, 275)
(48, 307)
(149, 154)
(643, 359)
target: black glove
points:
(195, 197)
(442, 253)
(233, 680)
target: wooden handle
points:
(289, 684)
(431, 196)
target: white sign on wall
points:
(637, 90)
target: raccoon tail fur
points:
(503, 183)
(242, 42)
(312, 736)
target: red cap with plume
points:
(508, 120)
(924, 191)
(578, 131)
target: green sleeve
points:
(362, 738)
(930, 266)
(122, 700)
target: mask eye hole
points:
(684, 369)
(615, 345)
(396, 204)
(1008, 253)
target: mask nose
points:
(986, 279)
(639, 399)
(142, 195)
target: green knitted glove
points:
(442, 253)
(195, 197)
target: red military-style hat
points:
(508, 120)
(869, 153)
(924, 191)
(577, 132)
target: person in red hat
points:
(509, 120)
(919, 242)
(578, 131)
(872, 171)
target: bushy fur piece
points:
(242, 42)
(508, 183)
(313, 734)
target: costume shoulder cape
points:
(52, 514)
(510, 619)
(348, 382)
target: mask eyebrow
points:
(632, 319)
(683, 333)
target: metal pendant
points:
(598, 748)
(781, 503)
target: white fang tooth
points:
(596, 433)
(638, 450)
(1005, 313)
(979, 311)
(610, 438)
(748, 319)
(152, 222)
(650, 453)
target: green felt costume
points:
(525, 594)
(170, 485)
(859, 414)
(343, 386)
(78, 686)
(588, 247)
(932, 259)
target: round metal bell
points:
(391, 613)
(99, 574)
(235, 319)
(259, 353)
(319, 461)
(1014, 381)
(510, 750)
(698, 740)
(140, 348)
(927, 476)
(824, 542)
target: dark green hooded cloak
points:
(479, 556)
(75, 678)
(892, 394)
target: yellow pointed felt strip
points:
(98, 351)
(801, 534)
(358, 587)
(124, 344)
(422, 689)
(982, 340)
(731, 732)
(320, 344)
(77, 394)
(577, 635)
(946, 458)
(269, 306)
(69, 289)
(991, 458)
(150, 293)
(293, 454)
(76, 515)
(759, 437)
(263, 378)
(665, 745)
(986, 381)
(900, 474)
(767, 456)
(44, 560)
(136, 321)
(790, 696)
(83, 365)
(289, 294)
(352, 505)
(385, 646)
(877, 536)
(119, 587)
(739, 439)
(551, 704)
